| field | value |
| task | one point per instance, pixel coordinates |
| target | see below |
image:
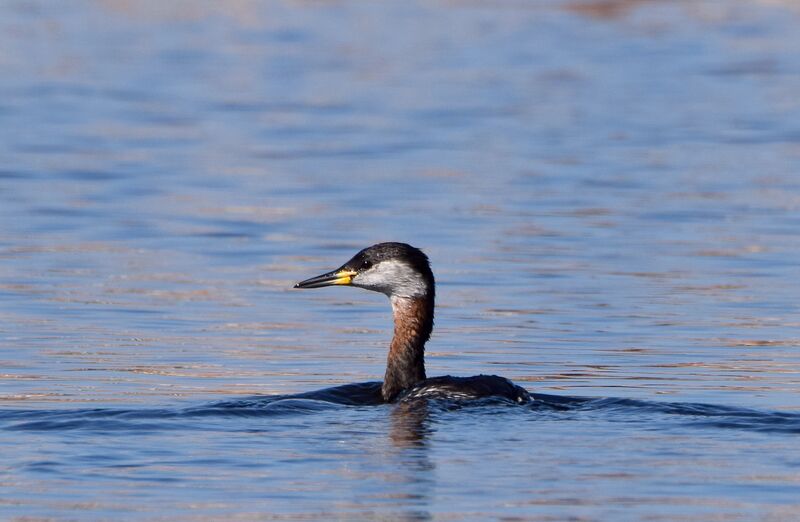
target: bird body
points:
(403, 273)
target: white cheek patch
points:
(393, 278)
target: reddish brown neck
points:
(405, 366)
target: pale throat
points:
(393, 278)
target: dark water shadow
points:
(410, 419)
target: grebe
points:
(404, 274)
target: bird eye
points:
(366, 265)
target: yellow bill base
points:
(344, 277)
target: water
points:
(608, 191)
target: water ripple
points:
(368, 395)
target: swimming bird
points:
(403, 273)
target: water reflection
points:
(410, 424)
(409, 433)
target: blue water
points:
(608, 191)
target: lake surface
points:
(608, 190)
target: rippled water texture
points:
(609, 192)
